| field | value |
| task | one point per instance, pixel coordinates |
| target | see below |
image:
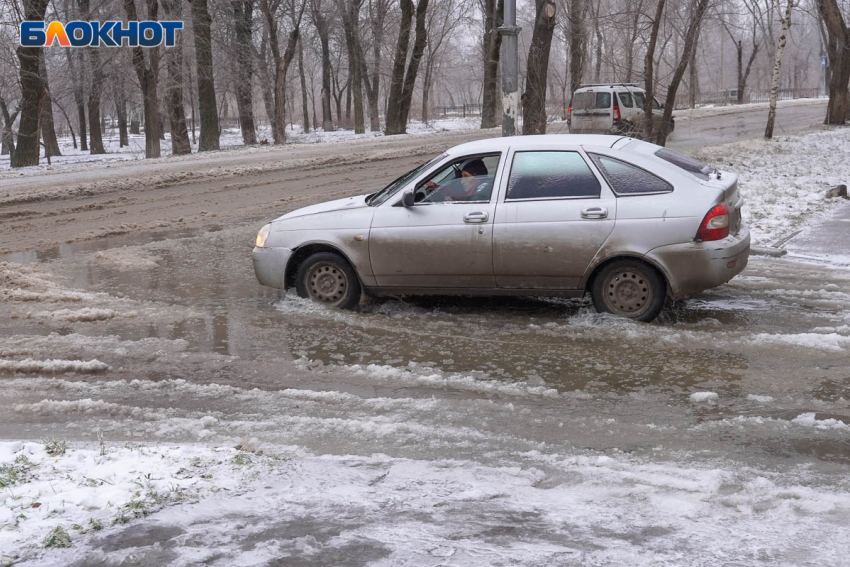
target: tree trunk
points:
(120, 99)
(401, 92)
(243, 15)
(777, 68)
(48, 130)
(576, 32)
(282, 63)
(350, 10)
(95, 88)
(32, 93)
(426, 87)
(322, 28)
(305, 112)
(838, 51)
(492, 45)
(673, 87)
(76, 69)
(649, 71)
(148, 74)
(377, 15)
(201, 21)
(534, 98)
(174, 93)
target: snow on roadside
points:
(53, 495)
(223, 506)
(783, 181)
(720, 110)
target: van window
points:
(627, 179)
(603, 100)
(551, 175)
(640, 99)
(625, 99)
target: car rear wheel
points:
(329, 279)
(629, 288)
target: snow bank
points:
(30, 366)
(784, 181)
(702, 397)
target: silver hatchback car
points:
(629, 222)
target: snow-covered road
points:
(211, 421)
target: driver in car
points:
(473, 180)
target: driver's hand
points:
(430, 185)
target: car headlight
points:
(262, 235)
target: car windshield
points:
(381, 196)
(682, 161)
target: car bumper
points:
(696, 266)
(270, 265)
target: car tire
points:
(629, 288)
(328, 278)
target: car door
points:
(441, 243)
(603, 117)
(553, 216)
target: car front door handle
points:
(594, 213)
(476, 217)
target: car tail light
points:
(616, 112)
(715, 225)
(569, 112)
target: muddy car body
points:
(627, 221)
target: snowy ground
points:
(230, 140)
(240, 426)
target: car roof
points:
(501, 144)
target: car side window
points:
(627, 179)
(551, 175)
(625, 99)
(603, 100)
(466, 179)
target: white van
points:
(611, 108)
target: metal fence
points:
(459, 111)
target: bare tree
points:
(32, 93)
(174, 95)
(838, 51)
(281, 62)
(243, 16)
(95, 87)
(649, 69)
(147, 70)
(777, 65)
(493, 11)
(48, 131)
(534, 98)
(402, 82)
(577, 43)
(76, 67)
(321, 23)
(201, 21)
(696, 18)
(350, 11)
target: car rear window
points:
(551, 175)
(682, 161)
(584, 101)
(603, 100)
(627, 179)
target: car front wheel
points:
(629, 288)
(329, 279)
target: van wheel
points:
(329, 279)
(629, 288)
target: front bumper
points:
(270, 265)
(695, 266)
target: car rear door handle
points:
(476, 217)
(594, 213)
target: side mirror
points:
(408, 198)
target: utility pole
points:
(510, 80)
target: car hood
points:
(348, 203)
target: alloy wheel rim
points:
(327, 283)
(627, 292)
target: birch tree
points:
(785, 20)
